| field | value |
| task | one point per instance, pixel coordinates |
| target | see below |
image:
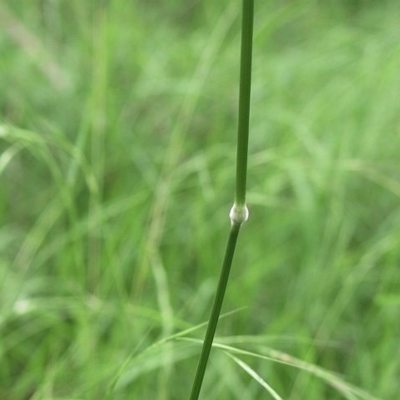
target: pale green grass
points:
(108, 176)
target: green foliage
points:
(116, 146)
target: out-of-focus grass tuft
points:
(117, 133)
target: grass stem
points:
(215, 313)
(244, 101)
(239, 212)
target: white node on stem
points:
(238, 214)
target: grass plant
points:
(239, 212)
(115, 147)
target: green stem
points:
(239, 213)
(244, 101)
(215, 313)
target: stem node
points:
(238, 214)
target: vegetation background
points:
(117, 151)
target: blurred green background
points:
(117, 152)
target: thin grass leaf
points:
(332, 379)
(255, 376)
